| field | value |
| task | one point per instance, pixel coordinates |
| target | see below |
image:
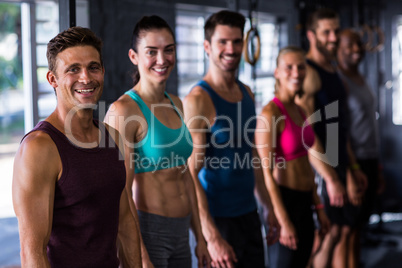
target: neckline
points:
(364, 84)
(229, 102)
(314, 64)
(156, 118)
(88, 149)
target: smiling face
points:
(326, 37)
(78, 77)
(225, 48)
(155, 56)
(350, 51)
(290, 72)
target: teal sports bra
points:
(162, 147)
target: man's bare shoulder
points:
(198, 102)
(37, 142)
(37, 155)
(248, 89)
(312, 82)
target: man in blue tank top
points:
(220, 115)
(325, 101)
(69, 176)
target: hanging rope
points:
(251, 56)
(252, 35)
(375, 35)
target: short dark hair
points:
(74, 36)
(320, 14)
(223, 17)
(144, 25)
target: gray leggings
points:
(166, 239)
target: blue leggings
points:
(298, 206)
(166, 240)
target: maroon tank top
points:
(86, 203)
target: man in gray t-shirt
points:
(363, 126)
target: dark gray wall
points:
(113, 21)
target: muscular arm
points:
(135, 243)
(311, 84)
(264, 137)
(129, 247)
(197, 122)
(318, 160)
(336, 191)
(37, 167)
(325, 224)
(262, 195)
(201, 250)
(356, 180)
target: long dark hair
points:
(144, 25)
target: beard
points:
(324, 51)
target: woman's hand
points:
(288, 236)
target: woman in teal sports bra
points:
(157, 146)
(287, 143)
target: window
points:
(46, 25)
(25, 95)
(11, 98)
(397, 72)
(192, 61)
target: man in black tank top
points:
(325, 96)
(69, 177)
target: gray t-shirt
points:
(362, 119)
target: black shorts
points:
(243, 233)
(349, 214)
(298, 206)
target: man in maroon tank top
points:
(69, 179)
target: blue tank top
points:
(227, 175)
(332, 91)
(86, 202)
(162, 147)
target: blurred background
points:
(26, 97)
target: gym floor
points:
(382, 243)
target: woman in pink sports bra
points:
(285, 142)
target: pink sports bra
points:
(294, 141)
